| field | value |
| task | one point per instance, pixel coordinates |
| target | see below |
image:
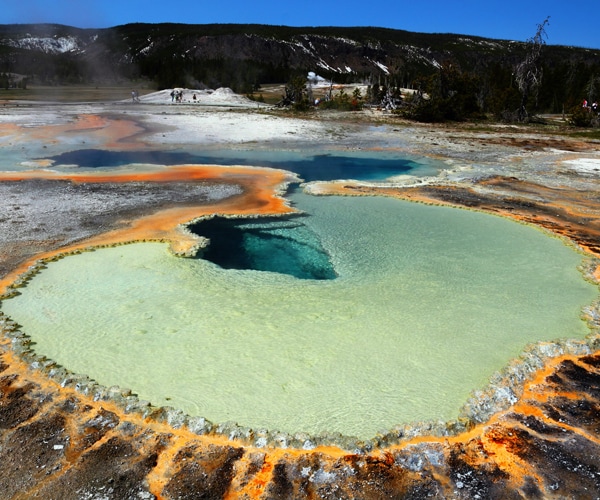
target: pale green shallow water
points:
(429, 303)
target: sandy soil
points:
(64, 437)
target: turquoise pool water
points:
(425, 305)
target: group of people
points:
(177, 96)
(593, 108)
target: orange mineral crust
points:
(261, 186)
(259, 195)
(85, 129)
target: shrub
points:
(584, 117)
(343, 102)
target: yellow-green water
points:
(429, 302)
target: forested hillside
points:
(244, 56)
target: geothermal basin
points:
(531, 432)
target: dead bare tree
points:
(528, 73)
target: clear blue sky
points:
(573, 22)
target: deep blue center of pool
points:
(275, 244)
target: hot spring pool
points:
(424, 305)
